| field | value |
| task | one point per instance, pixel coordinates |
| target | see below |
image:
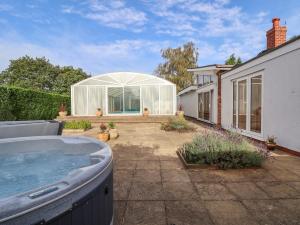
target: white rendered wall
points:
(189, 102)
(281, 94)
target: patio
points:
(152, 188)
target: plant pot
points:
(63, 114)
(271, 146)
(99, 113)
(146, 113)
(180, 113)
(113, 133)
(103, 136)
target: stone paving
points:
(151, 187)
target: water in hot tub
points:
(23, 172)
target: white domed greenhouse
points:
(123, 93)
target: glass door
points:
(115, 99)
(132, 100)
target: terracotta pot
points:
(180, 113)
(99, 113)
(113, 133)
(103, 136)
(271, 146)
(146, 113)
(63, 114)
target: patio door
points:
(204, 106)
(124, 100)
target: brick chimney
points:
(277, 35)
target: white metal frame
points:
(248, 132)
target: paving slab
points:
(175, 176)
(179, 191)
(247, 190)
(229, 213)
(284, 175)
(150, 176)
(146, 191)
(145, 213)
(187, 213)
(121, 190)
(214, 191)
(278, 190)
(274, 212)
(171, 165)
(124, 165)
(148, 165)
(119, 212)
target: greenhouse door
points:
(124, 100)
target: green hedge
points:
(26, 104)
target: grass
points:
(226, 151)
(176, 124)
(82, 124)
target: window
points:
(206, 79)
(242, 104)
(234, 105)
(200, 80)
(256, 104)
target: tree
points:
(232, 60)
(40, 74)
(177, 61)
(66, 77)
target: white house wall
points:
(189, 102)
(280, 94)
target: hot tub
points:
(10, 129)
(55, 180)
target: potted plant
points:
(113, 132)
(146, 112)
(103, 135)
(180, 111)
(62, 110)
(99, 112)
(271, 143)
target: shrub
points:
(177, 124)
(82, 124)
(225, 151)
(111, 125)
(26, 104)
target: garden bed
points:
(224, 151)
(178, 124)
(77, 126)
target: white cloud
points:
(111, 13)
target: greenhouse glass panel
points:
(132, 100)
(115, 99)
(166, 99)
(80, 100)
(96, 99)
(150, 95)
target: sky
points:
(102, 36)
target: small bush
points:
(177, 124)
(225, 151)
(82, 124)
(111, 125)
